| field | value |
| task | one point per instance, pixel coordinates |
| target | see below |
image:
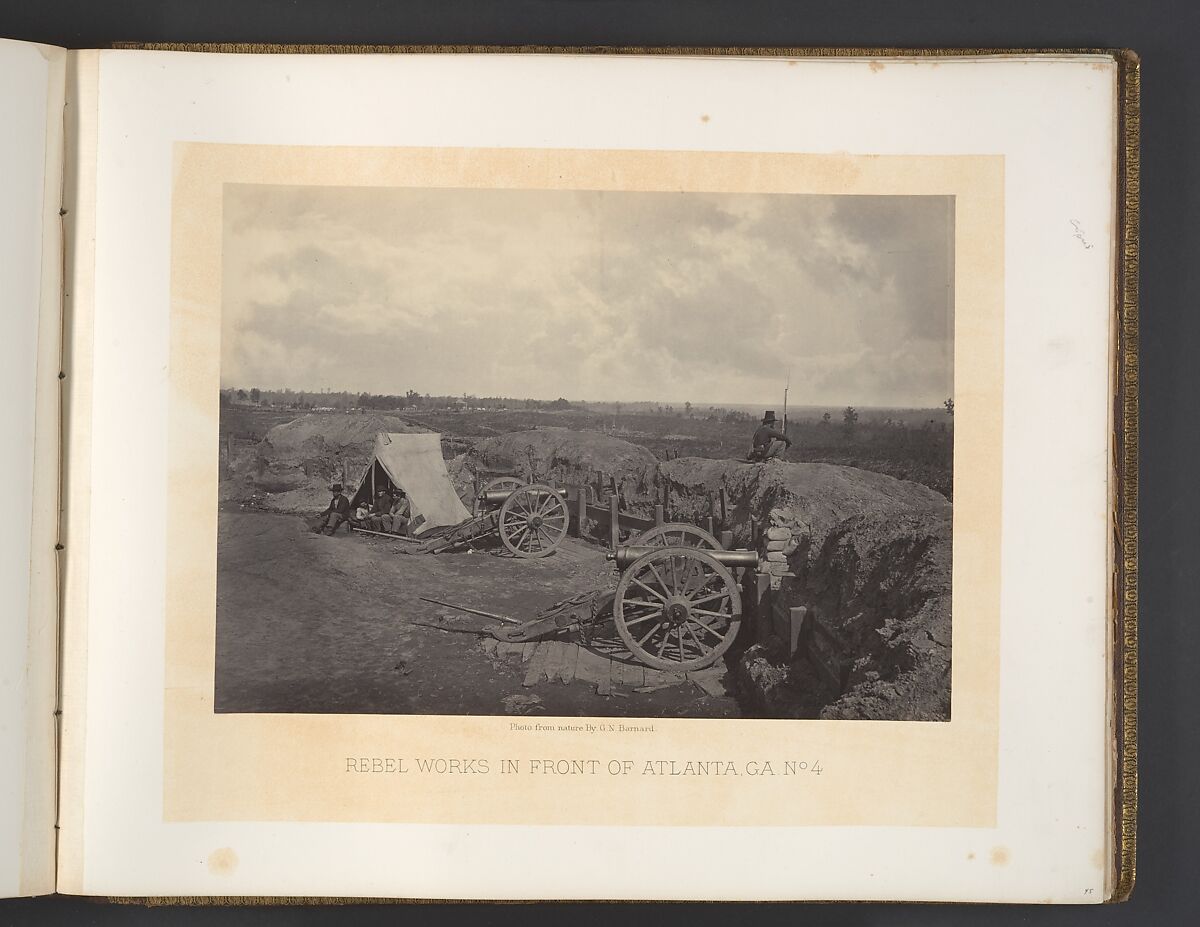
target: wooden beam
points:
(614, 520)
(762, 605)
(390, 537)
(603, 515)
(580, 510)
(658, 515)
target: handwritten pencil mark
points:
(1079, 234)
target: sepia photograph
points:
(554, 453)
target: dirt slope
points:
(567, 457)
(291, 469)
(307, 623)
(869, 553)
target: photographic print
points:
(547, 453)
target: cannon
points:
(530, 519)
(677, 606)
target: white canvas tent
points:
(414, 463)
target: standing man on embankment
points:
(767, 442)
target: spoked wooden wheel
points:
(533, 520)
(677, 608)
(676, 534)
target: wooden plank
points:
(795, 627)
(658, 515)
(580, 510)
(633, 675)
(824, 650)
(604, 686)
(385, 534)
(537, 665)
(614, 521)
(657, 679)
(708, 680)
(556, 658)
(825, 665)
(591, 666)
(570, 664)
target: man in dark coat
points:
(335, 514)
(380, 510)
(768, 442)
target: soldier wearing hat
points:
(337, 512)
(380, 509)
(767, 442)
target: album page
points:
(567, 476)
(31, 111)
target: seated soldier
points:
(381, 507)
(396, 521)
(361, 514)
(335, 514)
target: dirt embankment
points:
(867, 553)
(565, 458)
(291, 469)
(871, 555)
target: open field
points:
(911, 444)
(308, 623)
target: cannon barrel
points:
(734, 559)
(497, 497)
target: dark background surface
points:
(1163, 33)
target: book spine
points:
(1126, 475)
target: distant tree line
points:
(345, 400)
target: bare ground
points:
(308, 623)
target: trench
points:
(875, 585)
(867, 557)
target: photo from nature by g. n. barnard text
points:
(585, 453)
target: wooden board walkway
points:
(603, 665)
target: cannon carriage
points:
(677, 605)
(531, 520)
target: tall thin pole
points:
(786, 387)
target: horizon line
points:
(840, 404)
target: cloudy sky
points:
(669, 297)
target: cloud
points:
(589, 294)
